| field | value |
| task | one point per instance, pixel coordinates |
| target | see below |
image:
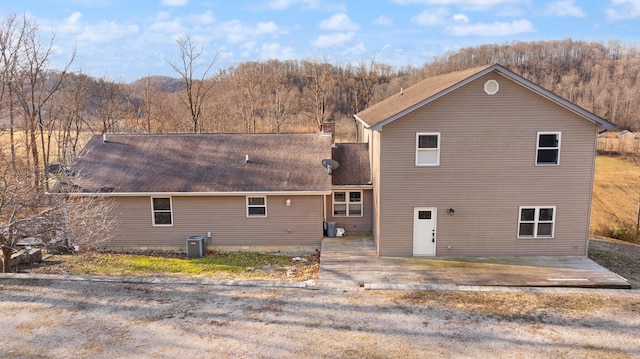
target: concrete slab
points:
(352, 261)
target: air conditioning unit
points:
(195, 246)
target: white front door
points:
(424, 231)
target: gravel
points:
(79, 319)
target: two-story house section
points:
(480, 162)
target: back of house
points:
(481, 162)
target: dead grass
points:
(618, 256)
(615, 197)
(214, 266)
(517, 306)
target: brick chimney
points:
(329, 128)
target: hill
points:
(616, 197)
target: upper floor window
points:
(536, 222)
(347, 203)
(428, 149)
(548, 148)
(162, 212)
(256, 206)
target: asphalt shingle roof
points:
(205, 163)
(354, 164)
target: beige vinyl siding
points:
(354, 224)
(374, 149)
(226, 218)
(487, 171)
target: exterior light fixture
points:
(288, 202)
(451, 211)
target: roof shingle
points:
(204, 163)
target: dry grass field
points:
(616, 192)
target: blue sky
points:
(126, 40)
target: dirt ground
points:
(80, 319)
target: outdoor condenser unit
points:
(195, 246)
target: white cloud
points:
(339, 22)
(174, 2)
(237, 31)
(203, 19)
(467, 4)
(281, 4)
(623, 9)
(435, 17)
(71, 24)
(565, 8)
(383, 21)
(461, 18)
(494, 29)
(337, 39)
(163, 24)
(106, 31)
(275, 51)
(304, 4)
(266, 28)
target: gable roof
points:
(354, 169)
(432, 88)
(204, 163)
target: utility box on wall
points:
(195, 246)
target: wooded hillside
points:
(269, 96)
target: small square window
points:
(256, 206)
(427, 149)
(536, 222)
(548, 148)
(347, 204)
(162, 212)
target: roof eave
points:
(197, 194)
(602, 123)
(448, 90)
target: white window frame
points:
(249, 205)
(154, 211)
(419, 150)
(557, 148)
(347, 203)
(536, 221)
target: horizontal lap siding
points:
(487, 170)
(225, 217)
(354, 224)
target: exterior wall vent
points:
(491, 87)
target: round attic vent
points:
(491, 87)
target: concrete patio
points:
(352, 262)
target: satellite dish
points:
(330, 164)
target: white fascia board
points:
(195, 194)
(603, 124)
(362, 122)
(428, 100)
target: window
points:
(256, 206)
(427, 149)
(548, 148)
(347, 204)
(536, 222)
(162, 214)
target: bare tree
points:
(34, 85)
(111, 104)
(319, 82)
(12, 33)
(89, 221)
(197, 79)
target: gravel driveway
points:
(68, 319)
